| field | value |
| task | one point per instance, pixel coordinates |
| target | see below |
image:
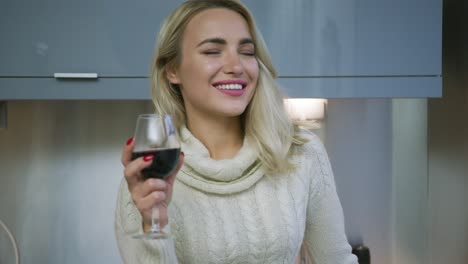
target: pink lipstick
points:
(231, 87)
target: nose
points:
(233, 64)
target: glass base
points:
(152, 235)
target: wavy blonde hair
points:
(265, 120)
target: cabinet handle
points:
(59, 75)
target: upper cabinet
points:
(352, 38)
(353, 48)
(112, 38)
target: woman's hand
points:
(150, 192)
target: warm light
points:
(306, 112)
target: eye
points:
(211, 52)
(247, 50)
(248, 53)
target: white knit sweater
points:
(229, 211)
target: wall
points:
(358, 138)
(378, 149)
(60, 170)
(448, 144)
(426, 197)
(409, 222)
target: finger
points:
(152, 185)
(148, 202)
(132, 171)
(127, 152)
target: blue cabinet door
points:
(331, 49)
(107, 37)
(352, 37)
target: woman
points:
(252, 187)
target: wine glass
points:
(156, 135)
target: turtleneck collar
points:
(225, 176)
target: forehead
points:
(216, 22)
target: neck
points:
(222, 136)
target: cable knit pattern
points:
(229, 211)
(226, 176)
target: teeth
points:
(229, 86)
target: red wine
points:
(164, 162)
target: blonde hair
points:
(265, 121)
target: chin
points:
(232, 112)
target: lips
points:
(231, 87)
(230, 84)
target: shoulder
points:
(312, 145)
(314, 159)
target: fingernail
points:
(148, 157)
(129, 141)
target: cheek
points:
(253, 71)
(206, 64)
(210, 67)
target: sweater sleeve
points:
(325, 235)
(128, 223)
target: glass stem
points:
(155, 228)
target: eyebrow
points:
(222, 41)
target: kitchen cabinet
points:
(328, 49)
(352, 38)
(53, 89)
(111, 38)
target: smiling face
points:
(218, 71)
